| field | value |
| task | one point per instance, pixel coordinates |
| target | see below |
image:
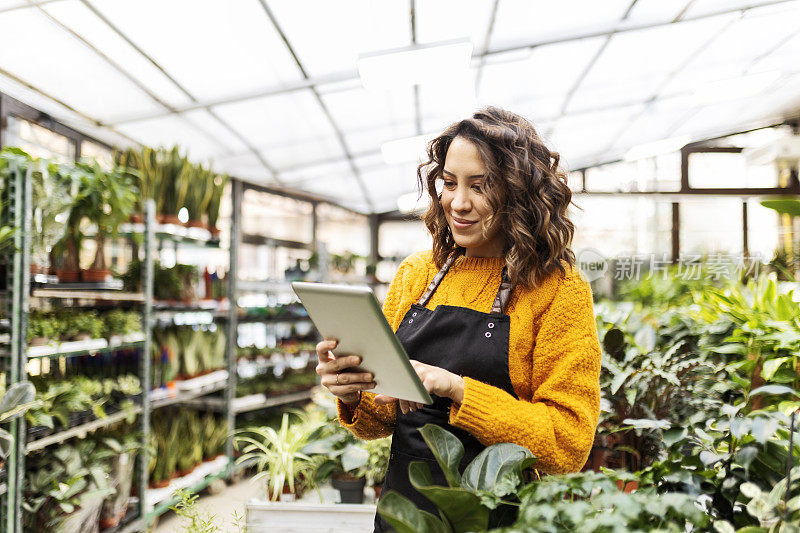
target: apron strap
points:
(503, 293)
(437, 279)
(500, 300)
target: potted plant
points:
(121, 457)
(212, 214)
(83, 326)
(375, 469)
(41, 328)
(65, 493)
(200, 190)
(350, 459)
(278, 454)
(105, 198)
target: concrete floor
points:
(221, 506)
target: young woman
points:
(496, 318)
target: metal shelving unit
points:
(18, 214)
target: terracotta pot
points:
(68, 276)
(160, 218)
(109, 521)
(95, 276)
(159, 484)
(38, 341)
(172, 219)
(38, 269)
(377, 489)
(214, 232)
(137, 218)
(630, 486)
(195, 224)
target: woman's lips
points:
(462, 224)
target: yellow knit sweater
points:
(554, 362)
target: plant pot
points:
(68, 276)
(172, 219)
(159, 484)
(286, 494)
(37, 432)
(195, 224)
(630, 486)
(351, 490)
(107, 522)
(214, 232)
(137, 218)
(377, 489)
(83, 336)
(91, 275)
(38, 341)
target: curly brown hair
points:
(524, 187)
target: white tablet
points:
(352, 314)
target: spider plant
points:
(278, 454)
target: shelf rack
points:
(21, 289)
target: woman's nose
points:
(461, 199)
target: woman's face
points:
(464, 203)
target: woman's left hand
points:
(436, 380)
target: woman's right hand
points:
(346, 386)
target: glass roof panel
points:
(216, 129)
(279, 120)
(550, 20)
(370, 140)
(85, 23)
(703, 7)
(453, 19)
(245, 166)
(547, 74)
(585, 137)
(655, 11)
(347, 29)
(360, 109)
(635, 64)
(170, 130)
(212, 48)
(290, 154)
(315, 173)
(11, 4)
(45, 55)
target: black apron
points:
(460, 340)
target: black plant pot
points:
(351, 491)
(37, 432)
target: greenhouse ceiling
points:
(271, 90)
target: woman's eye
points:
(478, 188)
(449, 184)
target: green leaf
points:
(6, 442)
(17, 399)
(493, 463)
(773, 389)
(447, 449)
(404, 516)
(739, 349)
(763, 428)
(354, 457)
(788, 206)
(462, 508)
(771, 366)
(740, 426)
(671, 436)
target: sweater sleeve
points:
(368, 420)
(559, 423)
